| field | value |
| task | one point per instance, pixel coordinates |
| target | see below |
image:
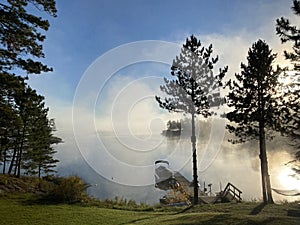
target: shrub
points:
(69, 190)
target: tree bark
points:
(20, 158)
(39, 170)
(19, 161)
(263, 180)
(4, 162)
(267, 177)
(195, 174)
(15, 156)
(266, 184)
(262, 165)
(12, 160)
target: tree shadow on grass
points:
(138, 220)
(258, 209)
(294, 212)
(184, 210)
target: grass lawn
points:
(21, 209)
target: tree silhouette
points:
(194, 89)
(255, 105)
(26, 139)
(291, 91)
(39, 153)
(288, 32)
(21, 35)
(24, 124)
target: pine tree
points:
(40, 155)
(194, 89)
(21, 35)
(255, 105)
(288, 32)
(35, 154)
(291, 91)
(27, 138)
(21, 39)
(10, 121)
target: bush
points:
(69, 190)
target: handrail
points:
(228, 189)
(235, 187)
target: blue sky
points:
(85, 32)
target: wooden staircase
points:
(229, 194)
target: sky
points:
(109, 58)
(83, 31)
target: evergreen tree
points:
(21, 35)
(173, 125)
(194, 89)
(291, 91)
(38, 155)
(10, 121)
(288, 32)
(25, 130)
(255, 105)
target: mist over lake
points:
(127, 167)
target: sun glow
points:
(287, 180)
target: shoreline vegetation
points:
(29, 200)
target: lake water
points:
(123, 165)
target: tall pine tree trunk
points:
(16, 163)
(4, 162)
(262, 168)
(266, 184)
(12, 162)
(21, 148)
(195, 175)
(19, 160)
(269, 189)
(15, 151)
(267, 176)
(4, 150)
(20, 155)
(39, 170)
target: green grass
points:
(24, 209)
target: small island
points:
(173, 129)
